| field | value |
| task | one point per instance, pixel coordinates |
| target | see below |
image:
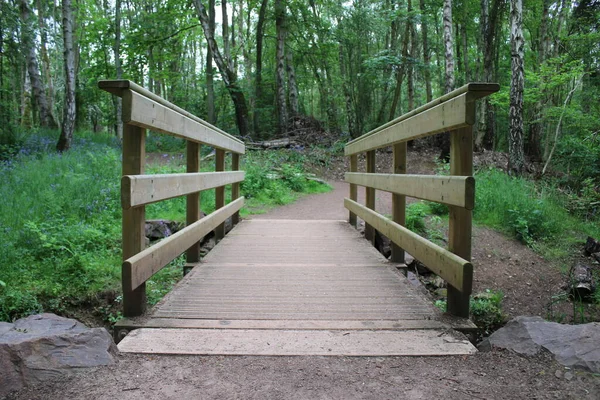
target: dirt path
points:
(500, 263)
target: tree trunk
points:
(400, 72)
(225, 26)
(426, 55)
(45, 58)
(410, 87)
(37, 87)
(516, 157)
(69, 110)
(258, 82)
(448, 47)
(444, 138)
(347, 95)
(210, 85)
(229, 78)
(119, 69)
(533, 144)
(292, 85)
(280, 65)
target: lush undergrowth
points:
(537, 214)
(60, 243)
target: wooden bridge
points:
(283, 287)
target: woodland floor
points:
(528, 282)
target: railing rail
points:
(143, 110)
(454, 113)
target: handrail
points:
(118, 87)
(142, 110)
(453, 113)
(477, 90)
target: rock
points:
(383, 244)
(596, 256)
(161, 228)
(41, 347)
(438, 282)
(591, 246)
(572, 345)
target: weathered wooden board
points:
(453, 269)
(138, 190)
(144, 112)
(296, 343)
(447, 116)
(143, 265)
(452, 190)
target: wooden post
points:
(134, 220)
(353, 187)
(399, 201)
(460, 229)
(192, 204)
(220, 192)
(235, 187)
(370, 196)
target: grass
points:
(60, 239)
(534, 213)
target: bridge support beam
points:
(134, 220)
(370, 196)
(460, 227)
(399, 201)
(353, 188)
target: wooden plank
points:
(119, 86)
(460, 227)
(133, 222)
(370, 196)
(452, 190)
(220, 192)
(148, 262)
(475, 90)
(141, 111)
(447, 116)
(192, 200)
(145, 189)
(235, 187)
(334, 325)
(353, 187)
(444, 263)
(398, 200)
(243, 342)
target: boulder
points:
(41, 347)
(573, 346)
(591, 246)
(156, 229)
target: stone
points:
(591, 246)
(574, 346)
(44, 346)
(156, 229)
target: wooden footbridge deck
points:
(283, 287)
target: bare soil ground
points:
(500, 263)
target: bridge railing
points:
(454, 113)
(143, 110)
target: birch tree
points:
(69, 108)
(516, 157)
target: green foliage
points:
(485, 310)
(534, 213)
(60, 235)
(415, 217)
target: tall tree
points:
(259, 52)
(516, 156)
(280, 65)
(292, 85)
(118, 101)
(426, 53)
(448, 47)
(210, 85)
(227, 73)
(444, 138)
(37, 86)
(69, 108)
